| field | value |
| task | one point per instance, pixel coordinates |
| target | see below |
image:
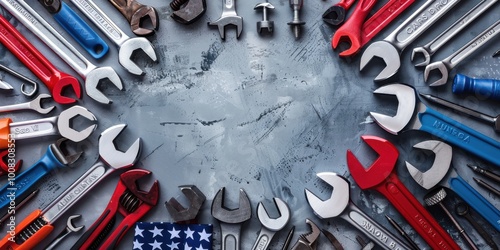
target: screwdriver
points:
(487, 186)
(485, 172)
(481, 116)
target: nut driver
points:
(34, 228)
(340, 205)
(182, 215)
(436, 176)
(381, 176)
(270, 225)
(414, 115)
(136, 14)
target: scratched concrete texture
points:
(264, 113)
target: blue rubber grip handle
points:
(460, 135)
(23, 182)
(475, 200)
(81, 31)
(484, 88)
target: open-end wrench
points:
(126, 45)
(70, 228)
(335, 15)
(54, 79)
(308, 240)
(381, 176)
(433, 122)
(340, 205)
(136, 14)
(447, 64)
(38, 224)
(230, 220)
(228, 17)
(433, 46)
(41, 28)
(35, 105)
(434, 176)
(186, 215)
(270, 225)
(390, 48)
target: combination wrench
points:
(35, 105)
(270, 225)
(43, 30)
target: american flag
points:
(165, 235)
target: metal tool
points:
(264, 24)
(35, 105)
(138, 14)
(381, 176)
(70, 228)
(270, 225)
(54, 79)
(34, 85)
(18, 206)
(365, 245)
(428, 120)
(308, 240)
(76, 27)
(126, 45)
(55, 157)
(188, 215)
(496, 53)
(5, 86)
(447, 64)
(487, 186)
(336, 244)
(127, 200)
(288, 238)
(435, 198)
(462, 209)
(6, 163)
(484, 117)
(192, 10)
(340, 205)
(230, 220)
(228, 17)
(482, 88)
(296, 23)
(335, 15)
(34, 228)
(390, 48)
(42, 29)
(402, 232)
(433, 46)
(485, 172)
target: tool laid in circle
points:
(188, 215)
(437, 124)
(487, 186)
(35, 105)
(308, 241)
(228, 17)
(270, 225)
(188, 11)
(381, 176)
(462, 209)
(485, 172)
(137, 14)
(335, 15)
(481, 88)
(70, 228)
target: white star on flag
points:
(156, 232)
(189, 233)
(174, 233)
(156, 245)
(137, 244)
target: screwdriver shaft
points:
(487, 186)
(485, 172)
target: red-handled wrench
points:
(53, 78)
(335, 15)
(381, 176)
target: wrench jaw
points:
(388, 53)
(338, 201)
(380, 169)
(334, 15)
(275, 224)
(343, 35)
(130, 179)
(69, 223)
(224, 214)
(129, 47)
(222, 22)
(112, 156)
(59, 148)
(36, 104)
(196, 199)
(425, 54)
(138, 18)
(65, 119)
(443, 70)
(62, 81)
(93, 79)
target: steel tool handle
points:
(27, 179)
(263, 240)
(416, 215)
(230, 236)
(488, 88)
(36, 232)
(475, 200)
(371, 228)
(81, 31)
(419, 22)
(34, 128)
(460, 135)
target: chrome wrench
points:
(43, 30)
(35, 104)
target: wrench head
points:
(443, 70)
(191, 12)
(233, 216)
(313, 234)
(338, 201)
(425, 53)
(386, 52)
(112, 156)
(130, 178)
(60, 150)
(36, 104)
(143, 13)
(129, 47)
(334, 15)
(222, 22)
(439, 168)
(71, 226)
(346, 35)
(406, 106)
(93, 79)
(65, 119)
(274, 224)
(59, 82)
(196, 199)
(380, 168)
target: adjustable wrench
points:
(390, 48)
(381, 176)
(269, 225)
(228, 17)
(135, 13)
(41, 28)
(35, 104)
(126, 45)
(54, 79)
(340, 205)
(335, 15)
(308, 240)
(32, 230)
(461, 54)
(433, 46)
(70, 228)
